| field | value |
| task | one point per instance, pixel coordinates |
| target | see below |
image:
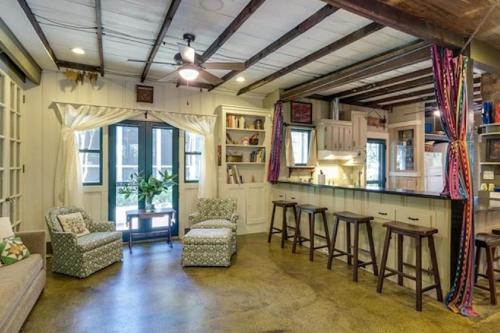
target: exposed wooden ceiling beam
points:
(395, 18)
(402, 56)
(390, 89)
(394, 80)
(417, 93)
(338, 44)
(161, 35)
(98, 15)
(302, 27)
(78, 66)
(422, 99)
(251, 7)
(34, 23)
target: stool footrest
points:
(408, 276)
(482, 287)
(320, 247)
(426, 289)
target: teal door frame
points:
(145, 165)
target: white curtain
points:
(312, 158)
(68, 184)
(204, 126)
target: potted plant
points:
(148, 188)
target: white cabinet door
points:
(347, 138)
(11, 97)
(237, 193)
(359, 129)
(256, 204)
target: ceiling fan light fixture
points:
(189, 73)
(240, 79)
(78, 50)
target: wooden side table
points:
(142, 214)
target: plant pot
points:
(150, 205)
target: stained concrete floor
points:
(267, 289)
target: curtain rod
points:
(136, 109)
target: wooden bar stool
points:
(418, 233)
(311, 211)
(284, 226)
(489, 242)
(354, 219)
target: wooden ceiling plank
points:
(78, 66)
(34, 23)
(421, 99)
(394, 80)
(174, 5)
(395, 18)
(416, 93)
(302, 27)
(338, 44)
(98, 15)
(396, 58)
(251, 7)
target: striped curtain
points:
(276, 144)
(452, 99)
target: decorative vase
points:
(150, 205)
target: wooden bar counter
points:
(420, 208)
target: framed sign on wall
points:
(144, 94)
(301, 113)
(493, 150)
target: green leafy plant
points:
(147, 189)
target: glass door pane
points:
(375, 163)
(127, 163)
(162, 160)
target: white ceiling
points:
(130, 27)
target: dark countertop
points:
(420, 194)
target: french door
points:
(148, 148)
(11, 100)
(375, 163)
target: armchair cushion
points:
(215, 224)
(13, 250)
(73, 223)
(96, 239)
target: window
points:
(90, 148)
(375, 163)
(300, 144)
(193, 147)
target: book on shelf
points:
(233, 175)
(258, 156)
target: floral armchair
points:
(216, 214)
(85, 255)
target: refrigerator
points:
(434, 171)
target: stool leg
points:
(435, 269)
(418, 265)
(476, 265)
(400, 258)
(283, 228)
(383, 263)
(327, 234)
(356, 252)
(311, 237)
(348, 241)
(272, 225)
(372, 248)
(297, 229)
(332, 243)
(298, 235)
(491, 276)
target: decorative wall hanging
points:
(301, 113)
(145, 94)
(276, 144)
(79, 77)
(452, 98)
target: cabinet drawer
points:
(381, 207)
(419, 213)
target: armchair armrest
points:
(234, 218)
(63, 242)
(101, 226)
(35, 241)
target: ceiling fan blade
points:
(232, 66)
(209, 77)
(169, 76)
(152, 62)
(187, 53)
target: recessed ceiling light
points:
(77, 50)
(212, 5)
(240, 79)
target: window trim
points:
(186, 153)
(95, 151)
(303, 130)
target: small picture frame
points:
(144, 94)
(301, 113)
(493, 150)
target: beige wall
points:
(42, 132)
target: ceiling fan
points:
(191, 65)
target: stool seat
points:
(485, 239)
(410, 229)
(350, 216)
(496, 231)
(284, 203)
(312, 208)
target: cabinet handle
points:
(382, 213)
(293, 198)
(413, 218)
